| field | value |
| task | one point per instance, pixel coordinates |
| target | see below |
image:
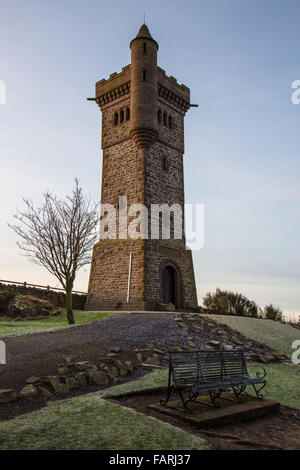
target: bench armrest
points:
(259, 374)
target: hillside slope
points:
(274, 334)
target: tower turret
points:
(143, 102)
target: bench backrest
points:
(185, 368)
(234, 363)
(211, 366)
(193, 367)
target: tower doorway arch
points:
(170, 285)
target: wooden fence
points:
(26, 284)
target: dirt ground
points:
(279, 431)
(39, 354)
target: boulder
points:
(279, 356)
(29, 391)
(26, 307)
(85, 365)
(45, 392)
(82, 378)
(68, 358)
(182, 324)
(123, 369)
(158, 351)
(112, 371)
(8, 395)
(227, 347)
(264, 358)
(58, 384)
(129, 366)
(97, 377)
(139, 357)
(238, 341)
(34, 380)
(153, 360)
(115, 349)
(70, 382)
(62, 370)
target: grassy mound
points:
(51, 323)
(91, 423)
(274, 334)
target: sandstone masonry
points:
(143, 144)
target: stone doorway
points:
(169, 285)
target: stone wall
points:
(109, 276)
(56, 298)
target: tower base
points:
(141, 275)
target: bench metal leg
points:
(246, 394)
(237, 392)
(184, 402)
(257, 391)
(169, 391)
(213, 397)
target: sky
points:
(242, 146)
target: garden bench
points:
(215, 371)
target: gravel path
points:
(40, 353)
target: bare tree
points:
(59, 236)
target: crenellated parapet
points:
(173, 98)
(114, 94)
(115, 87)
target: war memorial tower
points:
(143, 145)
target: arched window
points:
(165, 119)
(159, 115)
(121, 115)
(170, 122)
(127, 114)
(116, 119)
(144, 48)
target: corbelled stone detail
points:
(143, 138)
(114, 94)
(172, 98)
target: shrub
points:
(5, 298)
(230, 303)
(272, 313)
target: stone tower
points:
(143, 144)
